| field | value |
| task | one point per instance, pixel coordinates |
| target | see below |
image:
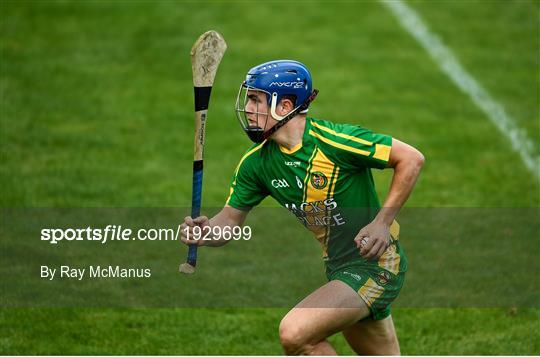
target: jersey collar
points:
(298, 146)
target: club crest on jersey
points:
(384, 277)
(319, 180)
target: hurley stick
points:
(206, 54)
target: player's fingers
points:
(372, 251)
(362, 242)
(188, 235)
(183, 227)
(191, 235)
(189, 241)
(186, 230)
(189, 221)
(200, 220)
(381, 251)
(361, 239)
(367, 247)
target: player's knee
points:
(293, 338)
(290, 335)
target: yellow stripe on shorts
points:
(370, 291)
(390, 260)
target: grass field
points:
(97, 111)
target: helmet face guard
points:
(254, 132)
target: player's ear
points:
(286, 105)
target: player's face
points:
(257, 110)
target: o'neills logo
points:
(318, 180)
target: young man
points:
(321, 172)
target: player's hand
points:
(373, 240)
(189, 236)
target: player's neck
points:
(290, 135)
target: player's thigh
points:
(327, 310)
(373, 337)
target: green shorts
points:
(377, 286)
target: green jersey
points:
(325, 181)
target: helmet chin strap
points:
(285, 119)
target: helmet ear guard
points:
(273, 105)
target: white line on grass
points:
(410, 20)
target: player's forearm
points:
(221, 222)
(406, 172)
(225, 221)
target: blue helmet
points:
(277, 79)
(281, 78)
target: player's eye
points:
(253, 98)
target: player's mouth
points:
(251, 119)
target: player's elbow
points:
(405, 156)
(416, 161)
(419, 159)
(410, 159)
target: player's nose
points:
(249, 108)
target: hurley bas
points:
(67, 272)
